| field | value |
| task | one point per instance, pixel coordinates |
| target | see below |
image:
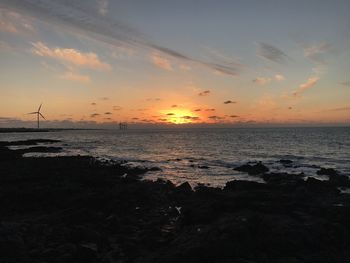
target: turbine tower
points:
(38, 114)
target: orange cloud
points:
(73, 56)
(161, 62)
(261, 80)
(279, 77)
(76, 77)
(308, 84)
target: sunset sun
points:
(179, 116)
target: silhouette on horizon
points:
(38, 113)
(123, 126)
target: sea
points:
(208, 156)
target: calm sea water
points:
(181, 154)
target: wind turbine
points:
(38, 114)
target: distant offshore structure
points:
(123, 126)
(38, 113)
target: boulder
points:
(256, 169)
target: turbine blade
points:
(42, 116)
(40, 107)
(33, 112)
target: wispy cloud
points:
(76, 77)
(73, 56)
(204, 93)
(266, 80)
(102, 6)
(161, 62)
(262, 80)
(340, 109)
(307, 85)
(315, 53)
(117, 108)
(271, 53)
(13, 22)
(279, 77)
(154, 99)
(80, 18)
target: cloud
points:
(116, 108)
(308, 84)
(7, 26)
(170, 114)
(261, 81)
(197, 110)
(108, 113)
(340, 109)
(93, 104)
(315, 53)
(234, 116)
(209, 109)
(94, 115)
(174, 106)
(271, 53)
(76, 77)
(230, 102)
(192, 118)
(8, 120)
(102, 6)
(214, 117)
(204, 93)
(80, 18)
(279, 77)
(12, 22)
(104, 98)
(73, 56)
(161, 61)
(185, 67)
(153, 99)
(345, 83)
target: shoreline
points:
(78, 209)
(26, 130)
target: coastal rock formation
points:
(78, 209)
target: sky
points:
(96, 63)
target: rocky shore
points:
(78, 209)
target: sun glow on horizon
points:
(179, 116)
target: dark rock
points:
(339, 180)
(321, 187)
(285, 161)
(282, 178)
(327, 171)
(256, 169)
(154, 169)
(184, 188)
(203, 167)
(238, 185)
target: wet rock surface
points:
(77, 209)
